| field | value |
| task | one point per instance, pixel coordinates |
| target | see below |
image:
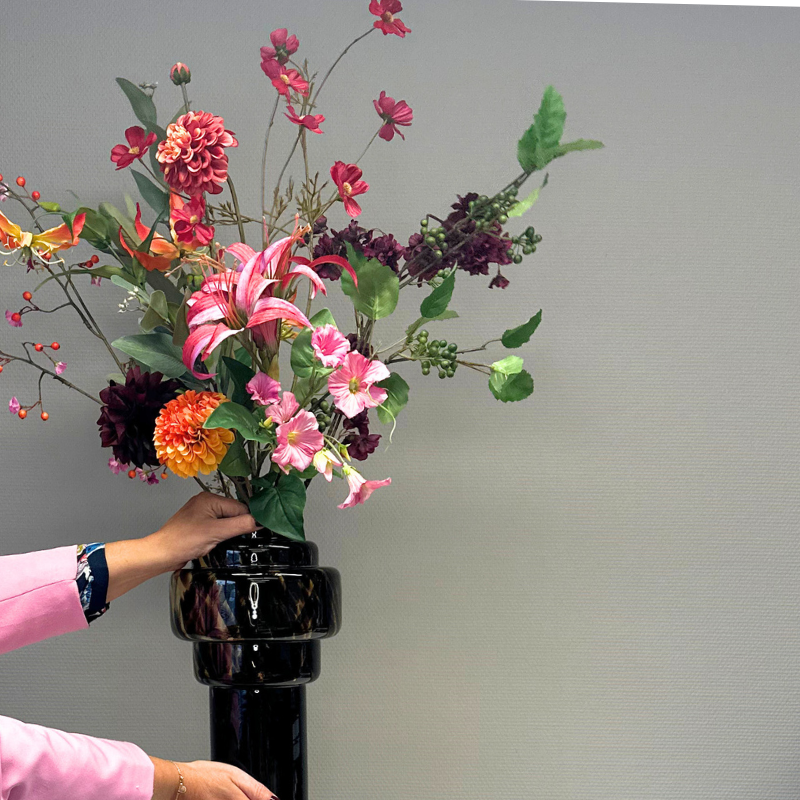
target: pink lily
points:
(360, 487)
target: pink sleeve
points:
(38, 597)
(39, 763)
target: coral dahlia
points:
(181, 441)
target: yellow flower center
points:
(347, 188)
(292, 437)
(194, 219)
(387, 16)
(354, 385)
(285, 79)
(134, 151)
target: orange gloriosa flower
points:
(162, 251)
(13, 237)
(182, 443)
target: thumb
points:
(236, 526)
(220, 507)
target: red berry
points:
(95, 259)
(132, 473)
(38, 347)
(163, 476)
(20, 181)
(1, 367)
(16, 316)
(45, 416)
(55, 346)
(46, 256)
(35, 195)
(1, 177)
(22, 413)
(27, 296)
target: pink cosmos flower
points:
(352, 384)
(347, 178)
(186, 220)
(330, 346)
(283, 46)
(13, 405)
(285, 80)
(138, 144)
(263, 389)
(299, 440)
(60, 367)
(360, 487)
(388, 23)
(96, 280)
(393, 114)
(14, 323)
(310, 121)
(192, 157)
(115, 466)
(283, 410)
(324, 462)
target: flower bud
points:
(180, 74)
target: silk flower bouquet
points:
(204, 389)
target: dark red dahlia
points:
(360, 442)
(385, 248)
(128, 417)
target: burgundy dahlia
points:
(360, 442)
(385, 248)
(128, 417)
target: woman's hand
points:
(206, 780)
(203, 522)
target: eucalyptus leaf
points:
(279, 507)
(378, 286)
(153, 195)
(155, 350)
(53, 208)
(437, 301)
(143, 106)
(516, 337)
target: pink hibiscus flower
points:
(330, 346)
(310, 121)
(284, 80)
(388, 22)
(283, 46)
(283, 410)
(138, 144)
(393, 114)
(360, 487)
(352, 384)
(263, 389)
(347, 178)
(299, 440)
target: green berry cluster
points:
(323, 414)
(525, 244)
(434, 354)
(485, 211)
(434, 238)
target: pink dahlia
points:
(310, 121)
(192, 157)
(285, 80)
(283, 46)
(138, 144)
(329, 345)
(388, 22)
(263, 389)
(299, 440)
(393, 114)
(360, 487)
(347, 178)
(187, 221)
(352, 384)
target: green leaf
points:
(436, 302)
(157, 312)
(575, 147)
(118, 220)
(236, 464)
(97, 230)
(416, 325)
(237, 418)
(516, 337)
(54, 208)
(549, 119)
(104, 271)
(180, 331)
(519, 208)
(510, 365)
(153, 195)
(511, 388)
(163, 284)
(378, 286)
(279, 507)
(302, 357)
(143, 106)
(155, 350)
(397, 391)
(240, 375)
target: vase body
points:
(255, 609)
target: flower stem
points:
(375, 136)
(236, 207)
(333, 66)
(264, 158)
(50, 374)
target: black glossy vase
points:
(255, 609)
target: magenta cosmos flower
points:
(352, 384)
(263, 389)
(360, 487)
(310, 121)
(329, 345)
(138, 144)
(284, 80)
(388, 22)
(393, 114)
(347, 178)
(192, 157)
(299, 440)
(187, 221)
(283, 46)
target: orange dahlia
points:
(182, 443)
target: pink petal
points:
(13, 405)
(272, 308)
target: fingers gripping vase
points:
(255, 609)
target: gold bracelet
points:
(181, 784)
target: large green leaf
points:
(508, 381)
(157, 312)
(397, 391)
(378, 286)
(143, 106)
(153, 195)
(155, 350)
(302, 356)
(279, 507)
(240, 375)
(550, 118)
(516, 337)
(237, 418)
(509, 365)
(437, 301)
(236, 464)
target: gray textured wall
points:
(591, 595)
